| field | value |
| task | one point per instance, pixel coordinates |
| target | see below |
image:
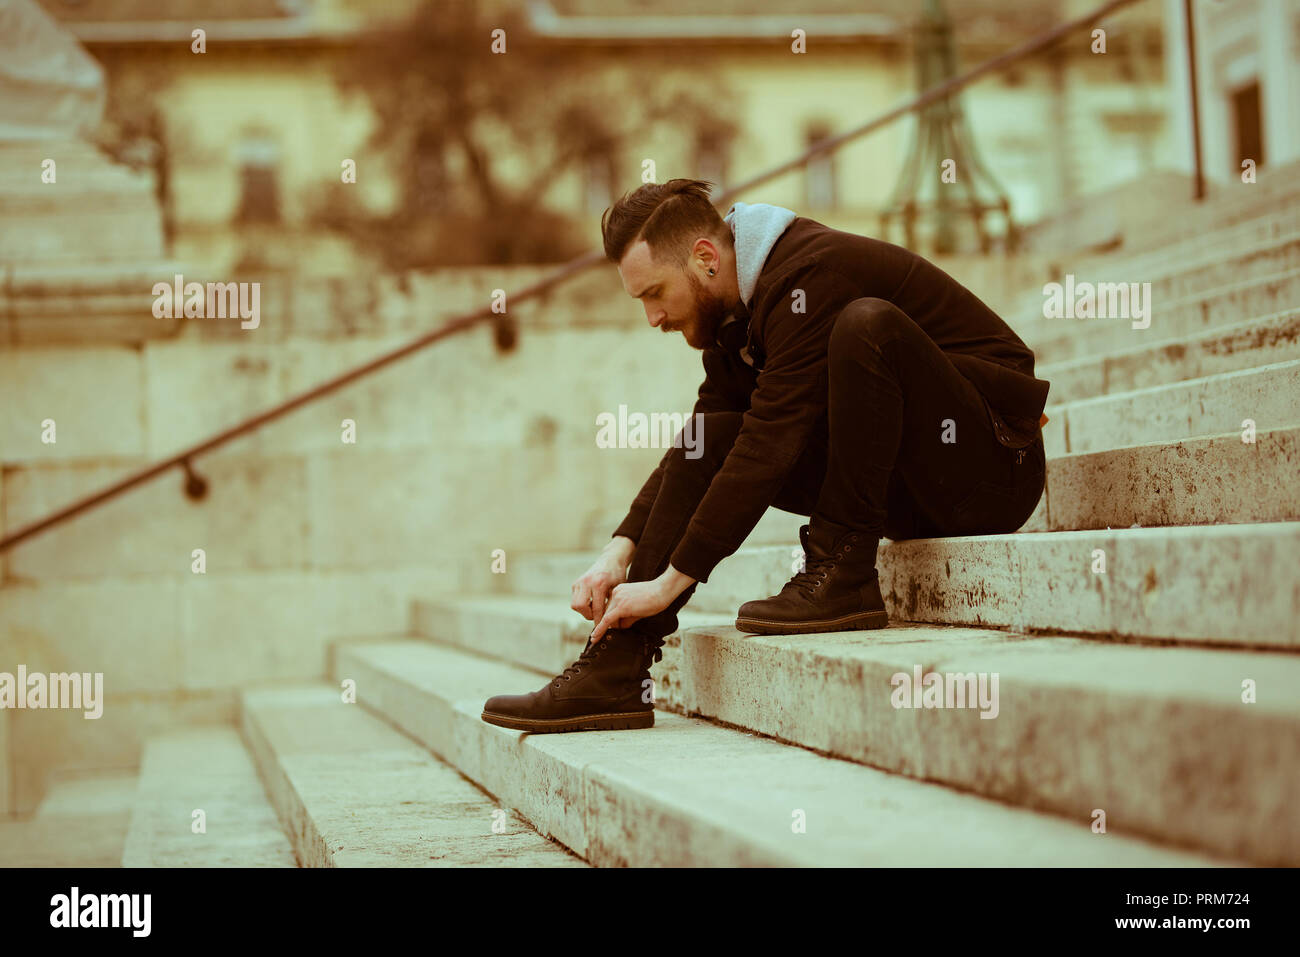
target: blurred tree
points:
(477, 139)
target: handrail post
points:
(1199, 172)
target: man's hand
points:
(590, 593)
(631, 601)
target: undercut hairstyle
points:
(668, 216)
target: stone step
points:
(1184, 276)
(352, 792)
(73, 841)
(692, 793)
(43, 281)
(80, 822)
(1156, 261)
(1242, 345)
(1223, 585)
(1159, 737)
(1209, 480)
(208, 770)
(1058, 340)
(88, 235)
(1211, 405)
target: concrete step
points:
(89, 793)
(1201, 249)
(208, 770)
(1209, 480)
(1193, 273)
(1058, 340)
(692, 793)
(352, 792)
(1242, 345)
(1244, 252)
(1162, 733)
(80, 822)
(1206, 480)
(1223, 585)
(1211, 405)
(95, 211)
(72, 841)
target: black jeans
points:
(911, 453)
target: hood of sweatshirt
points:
(755, 227)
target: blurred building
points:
(247, 139)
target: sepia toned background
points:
(478, 171)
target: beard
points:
(709, 313)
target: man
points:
(846, 379)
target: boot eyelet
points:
(848, 548)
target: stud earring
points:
(710, 272)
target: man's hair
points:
(668, 216)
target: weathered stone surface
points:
(253, 517)
(69, 387)
(406, 810)
(1157, 737)
(205, 769)
(1189, 316)
(1228, 584)
(1160, 735)
(691, 793)
(1209, 406)
(1203, 481)
(125, 629)
(102, 792)
(89, 841)
(1242, 345)
(47, 742)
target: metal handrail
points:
(575, 266)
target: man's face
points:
(674, 300)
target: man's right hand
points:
(590, 593)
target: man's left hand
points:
(630, 602)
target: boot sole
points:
(624, 721)
(869, 620)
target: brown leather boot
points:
(608, 688)
(838, 589)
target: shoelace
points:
(589, 653)
(815, 569)
(813, 573)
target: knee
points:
(867, 321)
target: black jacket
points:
(784, 392)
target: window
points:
(1247, 126)
(259, 191)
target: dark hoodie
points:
(770, 362)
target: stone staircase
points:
(78, 256)
(1161, 694)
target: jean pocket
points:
(1007, 436)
